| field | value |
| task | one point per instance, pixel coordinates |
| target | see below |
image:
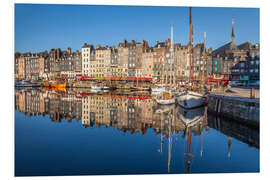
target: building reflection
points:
(132, 113)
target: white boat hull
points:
(166, 101)
(159, 89)
(191, 100)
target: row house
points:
(247, 72)
(114, 62)
(148, 63)
(101, 65)
(21, 68)
(88, 57)
(70, 65)
(123, 57)
(159, 59)
(34, 67)
(131, 59)
(182, 62)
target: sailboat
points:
(190, 99)
(167, 95)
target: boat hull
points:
(58, 85)
(157, 90)
(191, 100)
(166, 101)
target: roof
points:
(222, 50)
(245, 46)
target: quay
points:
(239, 104)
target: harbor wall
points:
(243, 132)
(244, 110)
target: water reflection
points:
(132, 113)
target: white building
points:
(87, 57)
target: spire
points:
(204, 41)
(233, 28)
(233, 36)
(233, 46)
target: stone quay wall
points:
(244, 110)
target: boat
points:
(58, 85)
(166, 98)
(54, 84)
(100, 87)
(140, 88)
(104, 88)
(158, 89)
(191, 99)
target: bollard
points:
(252, 93)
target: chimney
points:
(133, 42)
(69, 50)
(125, 43)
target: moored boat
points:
(55, 84)
(166, 98)
(191, 99)
(58, 85)
(158, 89)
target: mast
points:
(172, 56)
(204, 56)
(191, 45)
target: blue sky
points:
(40, 27)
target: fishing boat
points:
(158, 89)
(99, 87)
(191, 99)
(140, 88)
(54, 84)
(58, 85)
(104, 88)
(95, 87)
(166, 98)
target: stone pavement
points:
(237, 92)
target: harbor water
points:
(78, 132)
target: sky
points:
(40, 27)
